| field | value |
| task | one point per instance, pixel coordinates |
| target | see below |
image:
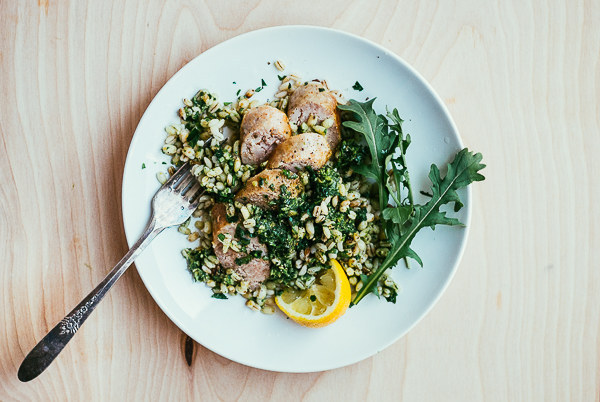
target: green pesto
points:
(325, 181)
(350, 153)
(195, 258)
(232, 219)
(278, 228)
(243, 260)
(288, 174)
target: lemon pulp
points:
(321, 304)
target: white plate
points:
(229, 328)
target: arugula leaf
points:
(387, 145)
(399, 214)
(374, 129)
(398, 160)
(364, 279)
(462, 171)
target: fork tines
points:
(184, 171)
(184, 183)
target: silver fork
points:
(174, 202)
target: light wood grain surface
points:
(520, 321)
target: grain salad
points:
(286, 194)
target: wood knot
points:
(188, 349)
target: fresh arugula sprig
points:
(462, 171)
(399, 181)
(399, 187)
(375, 131)
(387, 145)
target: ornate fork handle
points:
(53, 343)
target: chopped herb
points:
(288, 174)
(327, 181)
(238, 92)
(221, 236)
(281, 77)
(241, 232)
(256, 253)
(357, 86)
(219, 154)
(290, 206)
(350, 153)
(313, 298)
(164, 163)
(226, 103)
(231, 219)
(426, 194)
(392, 296)
(194, 135)
(220, 296)
(195, 260)
(261, 181)
(342, 222)
(262, 85)
(143, 166)
(234, 82)
(321, 89)
(243, 260)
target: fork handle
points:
(53, 343)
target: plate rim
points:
(468, 196)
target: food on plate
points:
(299, 152)
(251, 270)
(265, 189)
(308, 202)
(313, 105)
(321, 304)
(262, 129)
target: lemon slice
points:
(321, 304)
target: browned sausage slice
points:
(315, 99)
(299, 151)
(264, 189)
(262, 128)
(253, 272)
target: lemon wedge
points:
(321, 304)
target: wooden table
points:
(520, 321)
